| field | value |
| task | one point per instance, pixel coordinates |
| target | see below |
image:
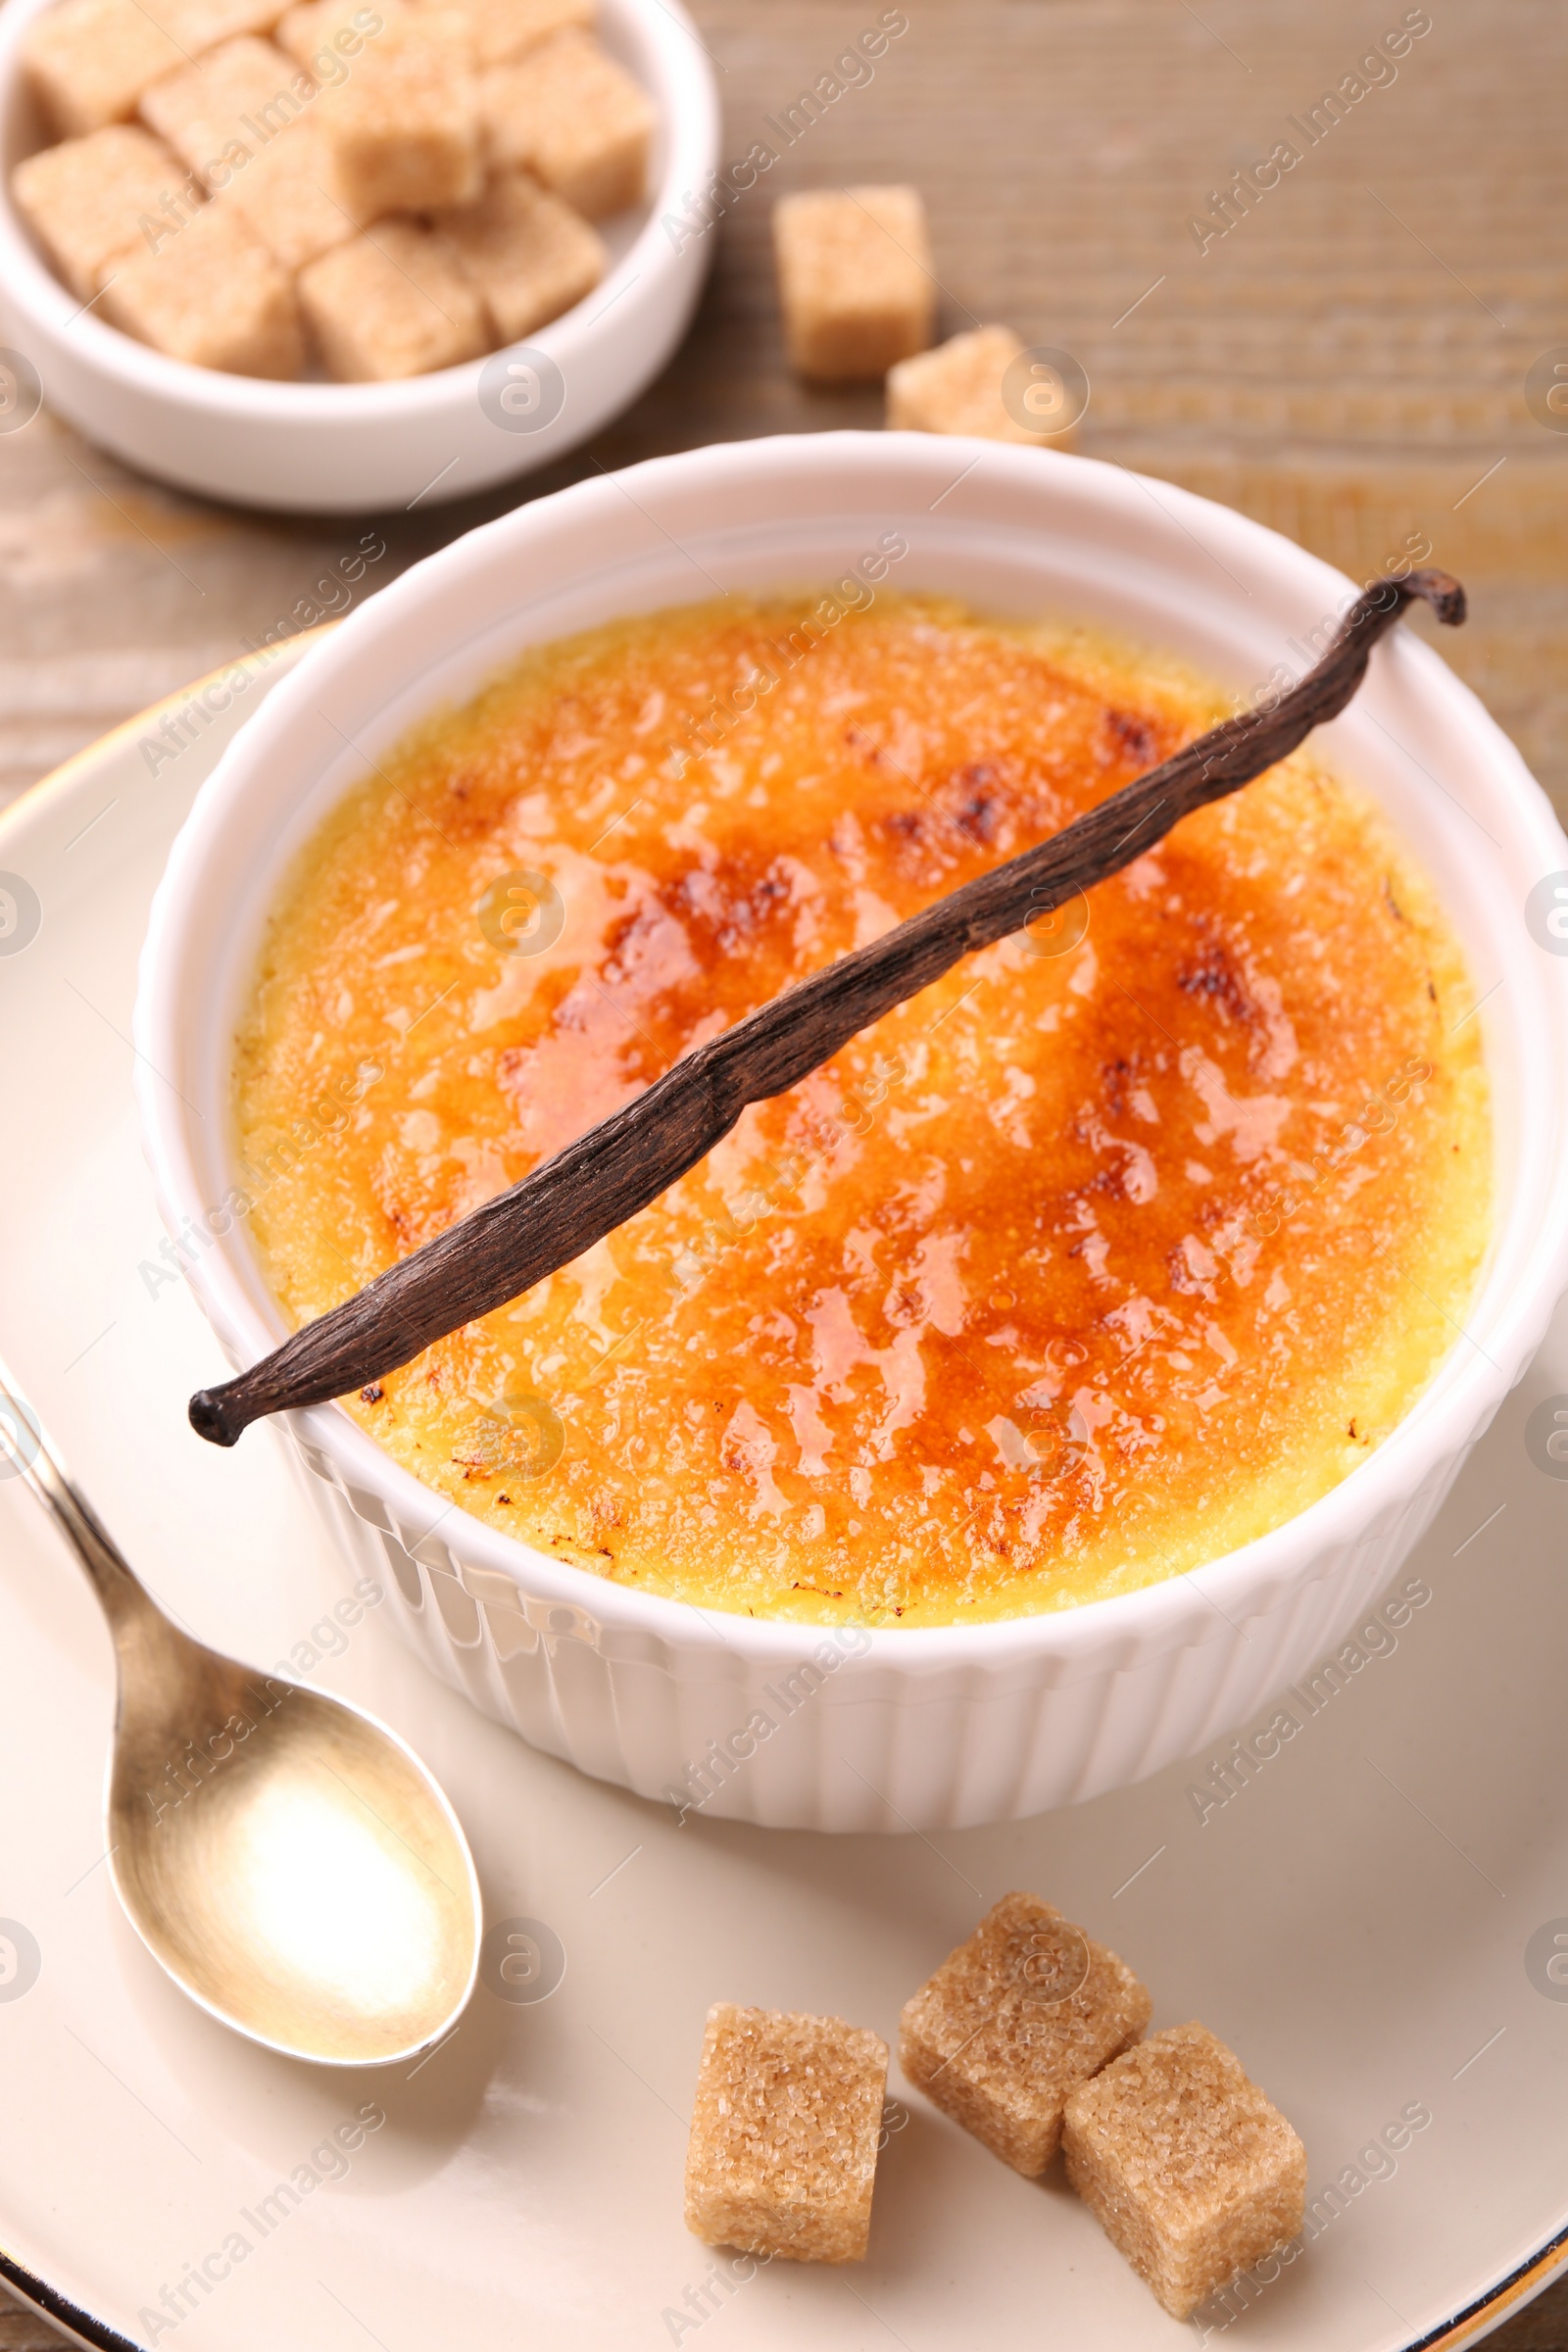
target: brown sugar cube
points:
(957, 389)
(93, 202)
(785, 2128)
(854, 281)
(242, 118)
(212, 296)
(402, 129)
(1183, 2163)
(317, 31)
(223, 111)
(503, 29)
(392, 304)
(88, 62)
(288, 196)
(575, 119)
(1013, 2020)
(531, 256)
(198, 25)
(327, 37)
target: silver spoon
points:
(291, 1864)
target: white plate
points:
(1356, 1921)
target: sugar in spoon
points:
(289, 1862)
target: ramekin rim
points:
(1150, 1617)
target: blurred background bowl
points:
(325, 448)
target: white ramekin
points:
(888, 1729)
(321, 448)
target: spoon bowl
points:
(288, 1861)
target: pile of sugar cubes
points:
(859, 296)
(388, 187)
(1030, 2036)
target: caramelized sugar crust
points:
(1105, 1254)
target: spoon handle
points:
(26, 1453)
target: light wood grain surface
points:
(1347, 362)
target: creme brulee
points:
(1113, 1250)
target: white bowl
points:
(930, 1728)
(324, 448)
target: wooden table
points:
(1347, 361)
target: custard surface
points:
(1109, 1252)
